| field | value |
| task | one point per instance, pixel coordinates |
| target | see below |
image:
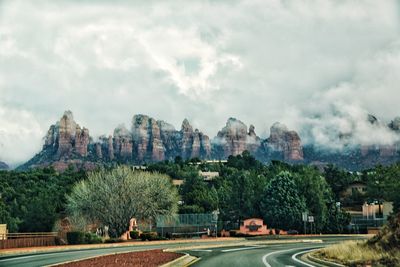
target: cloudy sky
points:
(317, 66)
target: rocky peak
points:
(67, 137)
(147, 135)
(253, 141)
(372, 119)
(123, 144)
(252, 131)
(186, 127)
(285, 141)
(193, 143)
(232, 138)
(395, 124)
(165, 127)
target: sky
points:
(317, 66)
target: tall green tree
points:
(281, 203)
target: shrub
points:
(149, 236)
(134, 234)
(75, 238)
(91, 238)
(232, 233)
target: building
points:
(208, 176)
(354, 188)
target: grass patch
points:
(359, 253)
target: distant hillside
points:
(3, 166)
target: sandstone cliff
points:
(148, 140)
(285, 141)
(234, 138)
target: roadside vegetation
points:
(381, 250)
(32, 201)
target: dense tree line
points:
(33, 200)
(247, 188)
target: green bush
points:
(149, 236)
(134, 234)
(91, 238)
(75, 238)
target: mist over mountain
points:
(319, 67)
(150, 140)
(3, 166)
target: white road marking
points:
(264, 258)
(300, 261)
(238, 249)
(202, 250)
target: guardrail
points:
(20, 240)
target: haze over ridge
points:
(319, 67)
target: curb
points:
(61, 248)
(323, 262)
(184, 261)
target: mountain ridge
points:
(150, 140)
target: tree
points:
(113, 197)
(281, 203)
(198, 196)
(316, 193)
(337, 179)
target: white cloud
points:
(19, 134)
(260, 61)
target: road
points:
(246, 254)
(268, 255)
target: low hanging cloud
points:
(318, 66)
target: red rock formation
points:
(123, 144)
(66, 137)
(99, 153)
(233, 137)
(147, 137)
(288, 142)
(81, 141)
(66, 128)
(193, 144)
(187, 139)
(253, 141)
(110, 148)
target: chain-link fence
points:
(187, 225)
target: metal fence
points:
(19, 240)
(186, 225)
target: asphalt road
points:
(43, 259)
(243, 255)
(269, 255)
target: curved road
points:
(263, 256)
(245, 254)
